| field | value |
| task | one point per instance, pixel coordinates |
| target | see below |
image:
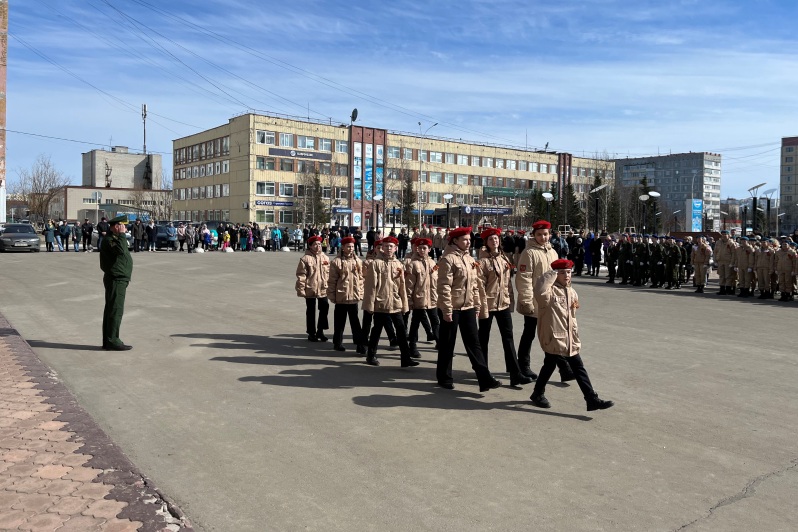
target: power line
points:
(72, 140)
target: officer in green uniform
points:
(117, 265)
(625, 255)
(656, 262)
(640, 258)
(673, 257)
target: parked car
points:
(161, 239)
(19, 237)
(95, 235)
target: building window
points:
(209, 191)
(225, 190)
(553, 168)
(435, 197)
(264, 137)
(286, 217)
(326, 192)
(788, 159)
(264, 217)
(475, 180)
(544, 168)
(487, 162)
(202, 170)
(499, 163)
(407, 154)
(475, 200)
(341, 193)
(448, 179)
(434, 177)
(306, 143)
(225, 145)
(300, 191)
(474, 160)
(194, 193)
(287, 140)
(393, 152)
(217, 192)
(325, 168)
(423, 177)
(522, 165)
(264, 188)
(460, 198)
(511, 165)
(435, 157)
(499, 182)
(342, 146)
(462, 179)
(449, 158)
(533, 167)
(325, 144)
(225, 167)
(202, 192)
(422, 155)
(341, 169)
(265, 163)
(287, 189)
(462, 160)
(303, 167)
(790, 149)
(287, 165)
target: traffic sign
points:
(368, 214)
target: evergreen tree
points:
(408, 200)
(614, 222)
(536, 208)
(319, 209)
(651, 208)
(573, 215)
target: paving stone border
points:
(143, 503)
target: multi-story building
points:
(258, 168)
(680, 179)
(788, 185)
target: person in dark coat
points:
(117, 266)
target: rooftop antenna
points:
(144, 119)
(108, 171)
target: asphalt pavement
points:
(247, 426)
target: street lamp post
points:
(724, 214)
(644, 199)
(778, 216)
(420, 163)
(549, 197)
(753, 191)
(598, 188)
(675, 220)
(377, 198)
(769, 195)
(448, 198)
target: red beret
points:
(389, 240)
(521, 232)
(348, 240)
(313, 239)
(424, 242)
(562, 264)
(541, 224)
(511, 231)
(457, 233)
(377, 242)
(490, 231)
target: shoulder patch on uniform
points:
(522, 267)
(435, 268)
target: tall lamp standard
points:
(769, 195)
(644, 199)
(724, 214)
(420, 163)
(600, 187)
(778, 216)
(676, 220)
(754, 192)
(549, 197)
(378, 199)
(448, 198)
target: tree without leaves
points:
(38, 186)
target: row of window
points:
(301, 166)
(202, 170)
(110, 201)
(303, 142)
(199, 216)
(204, 150)
(290, 190)
(207, 192)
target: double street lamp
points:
(549, 197)
(644, 198)
(448, 198)
(600, 187)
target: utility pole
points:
(144, 119)
(3, 72)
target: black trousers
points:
(382, 320)
(504, 321)
(86, 242)
(339, 322)
(312, 326)
(525, 346)
(418, 317)
(611, 268)
(358, 249)
(577, 367)
(466, 321)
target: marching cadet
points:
(744, 266)
(117, 266)
(701, 255)
(421, 278)
(765, 265)
(626, 257)
(559, 334)
(495, 270)
(385, 296)
(534, 262)
(345, 289)
(424, 319)
(460, 296)
(312, 273)
(657, 262)
(673, 257)
(785, 269)
(724, 256)
(373, 253)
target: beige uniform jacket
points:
(701, 255)
(744, 257)
(495, 270)
(438, 241)
(765, 260)
(724, 252)
(786, 261)
(312, 273)
(534, 261)
(384, 286)
(421, 278)
(556, 305)
(459, 287)
(345, 285)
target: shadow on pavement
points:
(348, 371)
(55, 345)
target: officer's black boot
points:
(742, 293)
(722, 291)
(763, 294)
(784, 297)
(371, 358)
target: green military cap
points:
(122, 219)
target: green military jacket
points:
(657, 253)
(115, 259)
(641, 252)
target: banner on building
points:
(368, 176)
(697, 215)
(357, 172)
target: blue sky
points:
(588, 77)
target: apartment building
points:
(256, 168)
(688, 183)
(788, 192)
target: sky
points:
(610, 78)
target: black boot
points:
(371, 358)
(527, 372)
(339, 347)
(722, 291)
(361, 349)
(539, 400)
(763, 295)
(598, 404)
(730, 290)
(742, 292)
(519, 379)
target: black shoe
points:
(527, 372)
(321, 338)
(610, 282)
(763, 295)
(722, 291)
(599, 404)
(115, 347)
(312, 338)
(394, 343)
(361, 350)
(409, 363)
(447, 385)
(517, 380)
(540, 401)
(491, 386)
(415, 354)
(372, 361)
(339, 348)
(431, 338)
